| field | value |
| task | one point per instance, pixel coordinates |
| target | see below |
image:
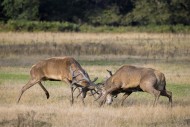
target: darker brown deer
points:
(128, 79)
(60, 69)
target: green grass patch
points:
(179, 90)
(100, 62)
(11, 76)
(55, 83)
(110, 62)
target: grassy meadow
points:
(96, 52)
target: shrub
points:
(21, 25)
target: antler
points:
(91, 86)
(98, 96)
(84, 76)
(72, 73)
(110, 72)
(99, 89)
(94, 79)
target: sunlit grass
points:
(35, 110)
(57, 111)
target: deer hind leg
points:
(167, 94)
(149, 88)
(124, 97)
(46, 92)
(157, 95)
(27, 86)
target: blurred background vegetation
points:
(95, 15)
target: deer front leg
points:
(72, 90)
(72, 96)
(124, 97)
(110, 90)
(84, 91)
(79, 90)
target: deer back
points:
(56, 68)
(129, 77)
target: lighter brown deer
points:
(128, 79)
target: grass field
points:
(35, 110)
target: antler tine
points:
(84, 77)
(98, 96)
(73, 82)
(110, 72)
(72, 73)
(95, 79)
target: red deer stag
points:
(60, 69)
(130, 79)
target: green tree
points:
(99, 12)
(109, 12)
(149, 12)
(63, 10)
(180, 10)
(2, 16)
(21, 9)
(109, 16)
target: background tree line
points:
(99, 12)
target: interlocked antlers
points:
(102, 84)
(75, 83)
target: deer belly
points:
(130, 85)
(54, 77)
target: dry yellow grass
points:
(43, 37)
(35, 110)
(57, 112)
(146, 45)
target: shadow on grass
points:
(180, 123)
(142, 98)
